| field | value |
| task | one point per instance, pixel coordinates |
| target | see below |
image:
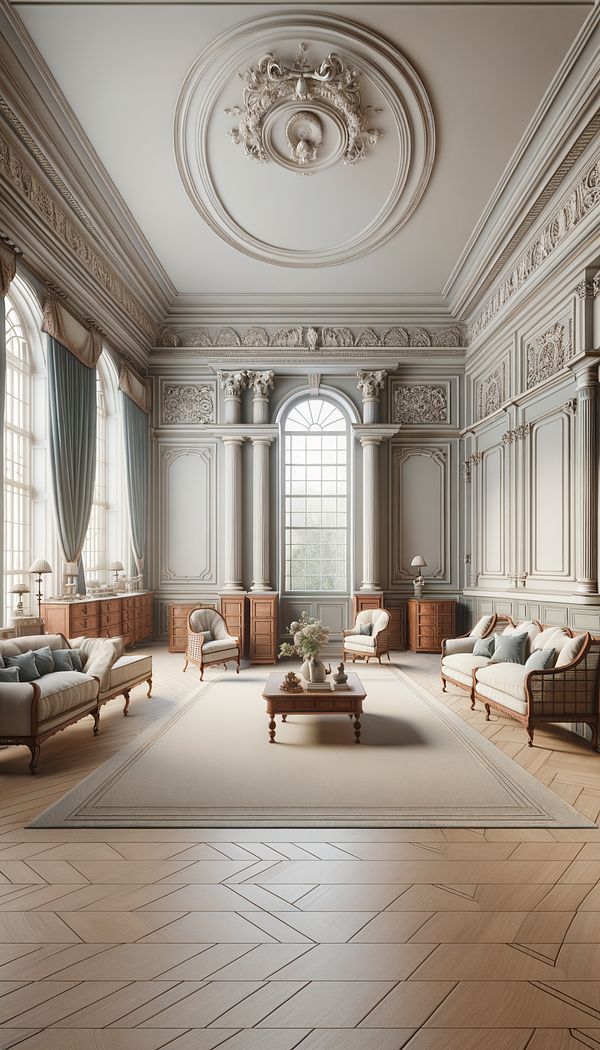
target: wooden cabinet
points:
(429, 622)
(177, 624)
(264, 629)
(234, 610)
(128, 615)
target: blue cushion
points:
(9, 674)
(365, 628)
(540, 659)
(43, 660)
(509, 649)
(484, 646)
(64, 659)
(28, 671)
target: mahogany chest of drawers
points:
(430, 620)
(129, 615)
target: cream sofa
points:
(30, 712)
(458, 659)
(369, 645)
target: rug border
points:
(68, 811)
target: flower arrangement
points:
(309, 638)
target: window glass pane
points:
(315, 497)
(17, 460)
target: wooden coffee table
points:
(327, 701)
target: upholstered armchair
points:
(368, 638)
(209, 641)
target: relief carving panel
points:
(188, 403)
(421, 404)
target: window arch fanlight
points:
(316, 483)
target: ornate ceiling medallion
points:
(333, 84)
(305, 117)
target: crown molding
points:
(264, 308)
(565, 123)
(42, 127)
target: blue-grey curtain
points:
(72, 401)
(2, 405)
(135, 438)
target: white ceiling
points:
(485, 69)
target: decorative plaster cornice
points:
(575, 206)
(16, 170)
(311, 338)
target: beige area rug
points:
(210, 764)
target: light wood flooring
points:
(318, 939)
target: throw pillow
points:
(571, 650)
(44, 660)
(365, 628)
(9, 674)
(28, 671)
(509, 649)
(542, 640)
(1, 661)
(482, 626)
(62, 659)
(484, 646)
(76, 660)
(539, 659)
(207, 635)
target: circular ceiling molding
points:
(265, 210)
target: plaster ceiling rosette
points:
(367, 167)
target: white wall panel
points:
(420, 511)
(187, 511)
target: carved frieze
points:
(311, 337)
(188, 403)
(550, 352)
(421, 403)
(583, 198)
(492, 393)
(516, 434)
(21, 176)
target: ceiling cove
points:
(293, 105)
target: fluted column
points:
(586, 517)
(370, 513)
(232, 514)
(260, 383)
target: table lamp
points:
(116, 567)
(20, 589)
(40, 567)
(418, 563)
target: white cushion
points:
(209, 620)
(461, 665)
(504, 678)
(570, 650)
(503, 698)
(219, 645)
(542, 640)
(128, 668)
(482, 626)
(378, 618)
(360, 643)
(64, 691)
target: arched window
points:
(315, 497)
(17, 457)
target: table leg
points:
(357, 730)
(272, 730)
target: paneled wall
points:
(417, 483)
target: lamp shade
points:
(19, 588)
(40, 566)
(116, 566)
(418, 562)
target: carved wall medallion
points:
(421, 403)
(492, 393)
(582, 199)
(188, 403)
(549, 353)
(304, 116)
(333, 83)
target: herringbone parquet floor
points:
(319, 939)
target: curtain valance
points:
(84, 344)
(135, 387)
(8, 267)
